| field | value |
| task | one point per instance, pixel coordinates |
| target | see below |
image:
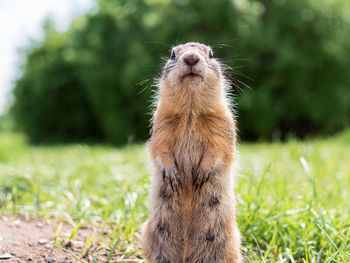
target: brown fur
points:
(193, 216)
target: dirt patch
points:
(32, 239)
(29, 240)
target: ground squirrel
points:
(192, 146)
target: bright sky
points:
(22, 21)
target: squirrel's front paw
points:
(172, 176)
(169, 170)
(200, 177)
(205, 169)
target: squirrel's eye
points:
(172, 54)
(211, 54)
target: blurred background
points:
(84, 70)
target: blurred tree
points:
(111, 61)
(50, 101)
(83, 84)
(297, 58)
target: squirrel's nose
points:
(191, 59)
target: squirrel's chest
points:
(190, 132)
(192, 129)
(194, 134)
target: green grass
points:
(293, 198)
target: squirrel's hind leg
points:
(213, 235)
(163, 232)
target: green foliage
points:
(111, 62)
(292, 198)
(51, 103)
(297, 51)
(93, 81)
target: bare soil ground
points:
(31, 240)
(27, 239)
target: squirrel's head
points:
(191, 66)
